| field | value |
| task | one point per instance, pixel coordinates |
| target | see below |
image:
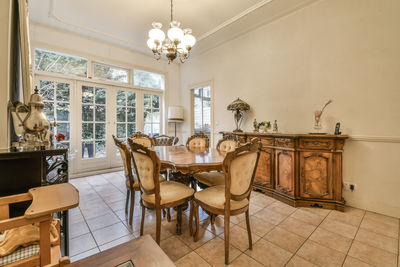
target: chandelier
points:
(177, 44)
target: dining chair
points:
(131, 182)
(142, 139)
(232, 198)
(165, 140)
(199, 140)
(205, 179)
(156, 195)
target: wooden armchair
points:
(143, 139)
(199, 140)
(232, 198)
(157, 195)
(165, 140)
(21, 231)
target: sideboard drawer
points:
(267, 141)
(284, 142)
(309, 143)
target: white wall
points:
(344, 50)
(4, 70)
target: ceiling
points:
(127, 22)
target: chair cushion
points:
(210, 178)
(170, 192)
(197, 143)
(136, 184)
(227, 146)
(215, 197)
(20, 254)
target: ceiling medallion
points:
(177, 44)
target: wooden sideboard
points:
(302, 170)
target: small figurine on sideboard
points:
(337, 129)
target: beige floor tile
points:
(298, 227)
(192, 260)
(217, 228)
(345, 218)
(382, 218)
(340, 228)
(214, 252)
(380, 227)
(353, 262)
(95, 211)
(377, 240)
(117, 242)
(372, 255)
(285, 239)
(297, 261)
(307, 217)
(204, 236)
(321, 255)
(244, 260)
(331, 240)
(269, 254)
(263, 200)
(238, 218)
(239, 239)
(77, 229)
(110, 233)
(174, 248)
(257, 226)
(120, 205)
(317, 211)
(102, 221)
(151, 230)
(81, 244)
(281, 208)
(354, 211)
(253, 208)
(85, 254)
(270, 216)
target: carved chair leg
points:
(249, 230)
(132, 206)
(179, 220)
(142, 221)
(164, 213)
(191, 217)
(226, 236)
(197, 222)
(158, 226)
(168, 215)
(212, 219)
(127, 201)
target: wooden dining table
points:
(188, 161)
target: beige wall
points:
(4, 73)
(344, 50)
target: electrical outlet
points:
(352, 187)
(349, 186)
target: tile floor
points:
(282, 235)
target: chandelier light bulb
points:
(175, 33)
(189, 40)
(182, 46)
(151, 43)
(156, 33)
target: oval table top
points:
(189, 161)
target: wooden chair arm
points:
(15, 198)
(51, 199)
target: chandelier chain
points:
(172, 5)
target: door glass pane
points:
(202, 109)
(147, 100)
(93, 134)
(56, 99)
(152, 117)
(126, 114)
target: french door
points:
(89, 113)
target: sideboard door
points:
(284, 171)
(263, 176)
(316, 180)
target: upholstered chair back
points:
(239, 168)
(142, 139)
(126, 159)
(147, 166)
(164, 140)
(198, 141)
(227, 146)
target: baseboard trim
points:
(96, 172)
